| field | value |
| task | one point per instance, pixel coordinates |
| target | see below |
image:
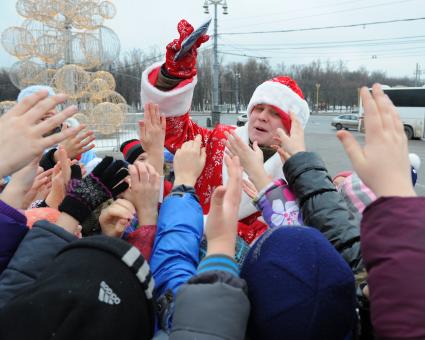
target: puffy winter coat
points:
(322, 207)
(33, 255)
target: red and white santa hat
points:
(285, 96)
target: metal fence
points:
(112, 142)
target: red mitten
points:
(186, 66)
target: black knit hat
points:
(131, 149)
(95, 288)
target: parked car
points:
(347, 121)
(242, 119)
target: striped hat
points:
(98, 287)
(131, 149)
(356, 194)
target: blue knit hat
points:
(299, 287)
(33, 89)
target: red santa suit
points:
(175, 105)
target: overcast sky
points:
(394, 48)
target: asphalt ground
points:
(321, 138)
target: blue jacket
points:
(13, 227)
(175, 253)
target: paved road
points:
(321, 138)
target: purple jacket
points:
(393, 248)
(13, 227)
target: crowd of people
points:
(196, 233)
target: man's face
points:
(263, 123)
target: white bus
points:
(410, 103)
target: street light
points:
(237, 78)
(215, 108)
(317, 97)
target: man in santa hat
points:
(171, 85)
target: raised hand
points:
(189, 161)
(292, 144)
(23, 126)
(79, 144)
(60, 179)
(383, 162)
(23, 183)
(186, 66)
(252, 160)
(114, 218)
(84, 195)
(222, 223)
(144, 192)
(152, 136)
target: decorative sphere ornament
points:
(97, 86)
(72, 80)
(18, 41)
(107, 9)
(6, 105)
(24, 73)
(108, 77)
(107, 117)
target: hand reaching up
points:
(84, 195)
(144, 192)
(23, 126)
(21, 183)
(60, 179)
(222, 223)
(152, 136)
(78, 144)
(252, 160)
(383, 162)
(189, 161)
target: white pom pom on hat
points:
(415, 161)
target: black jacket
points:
(34, 254)
(323, 207)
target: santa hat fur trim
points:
(173, 103)
(273, 92)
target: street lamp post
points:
(215, 74)
(238, 78)
(317, 97)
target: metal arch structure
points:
(58, 43)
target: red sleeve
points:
(143, 239)
(181, 129)
(393, 247)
